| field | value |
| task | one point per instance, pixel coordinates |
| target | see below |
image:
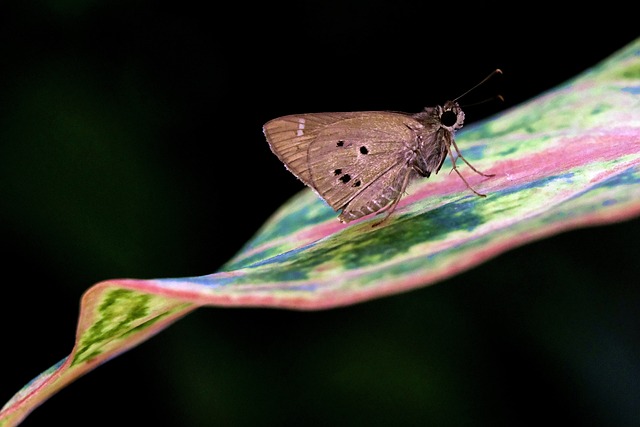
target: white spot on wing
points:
(301, 122)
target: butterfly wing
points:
(289, 138)
(382, 193)
(356, 163)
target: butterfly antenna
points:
(493, 98)
(493, 73)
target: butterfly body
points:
(361, 162)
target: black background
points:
(131, 146)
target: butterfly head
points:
(450, 115)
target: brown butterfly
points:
(362, 162)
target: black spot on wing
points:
(345, 178)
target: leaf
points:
(568, 158)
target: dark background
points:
(131, 146)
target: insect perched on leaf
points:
(362, 162)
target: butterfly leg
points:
(468, 164)
(455, 168)
(392, 206)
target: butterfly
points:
(362, 162)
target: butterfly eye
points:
(448, 118)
